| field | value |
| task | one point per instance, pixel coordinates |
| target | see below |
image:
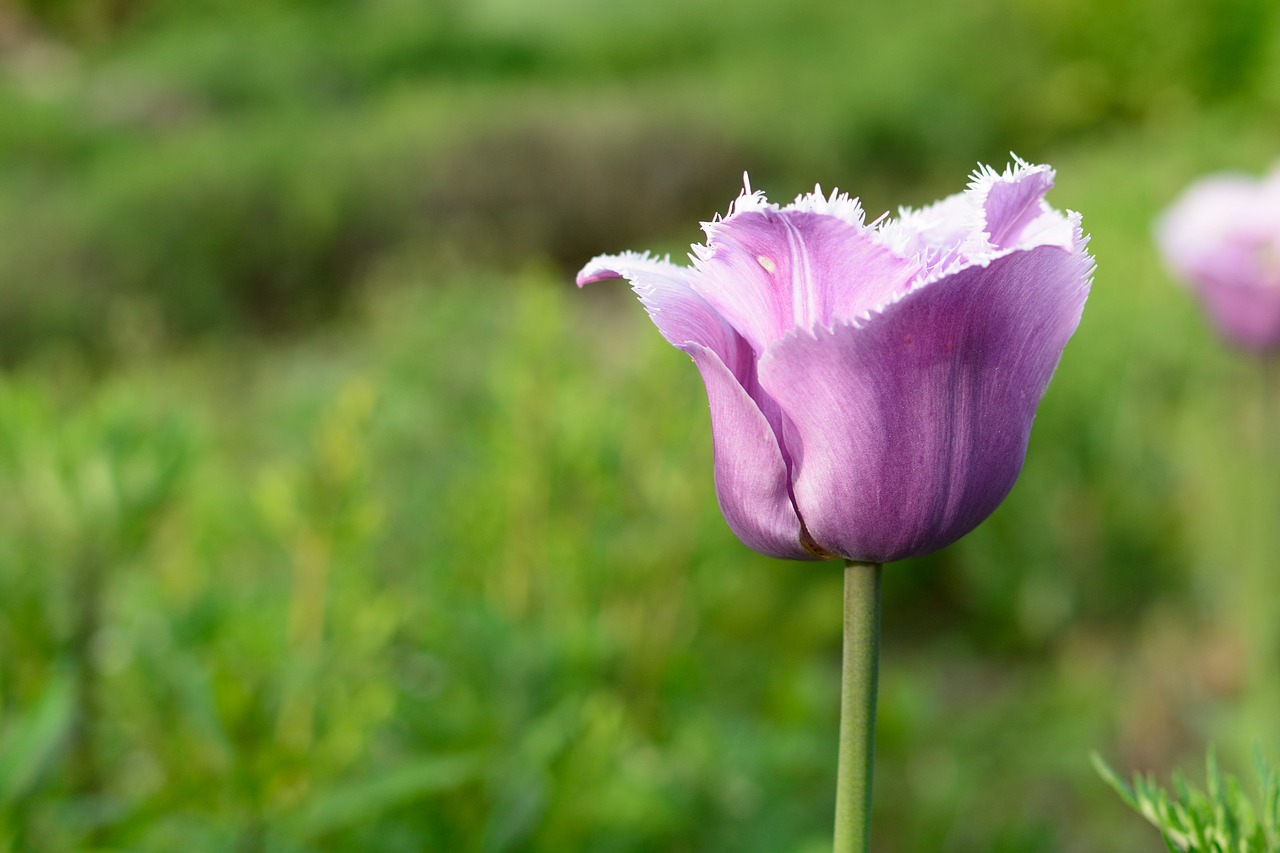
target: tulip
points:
(1222, 237)
(872, 386)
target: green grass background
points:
(332, 517)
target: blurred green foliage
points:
(333, 518)
(238, 165)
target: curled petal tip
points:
(605, 268)
(584, 278)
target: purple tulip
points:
(1222, 236)
(872, 387)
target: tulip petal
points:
(999, 211)
(906, 430)
(751, 474)
(767, 271)
(1013, 202)
(933, 234)
(680, 314)
(751, 470)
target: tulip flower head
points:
(1222, 237)
(872, 386)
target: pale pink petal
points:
(1222, 237)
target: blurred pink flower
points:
(872, 387)
(1222, 237)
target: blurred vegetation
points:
(334, 518)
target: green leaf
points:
(1220, 819)
(363, 801)
(29, 743)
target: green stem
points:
(858, 706)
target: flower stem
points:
(859, 677)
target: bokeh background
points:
(332, 517)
